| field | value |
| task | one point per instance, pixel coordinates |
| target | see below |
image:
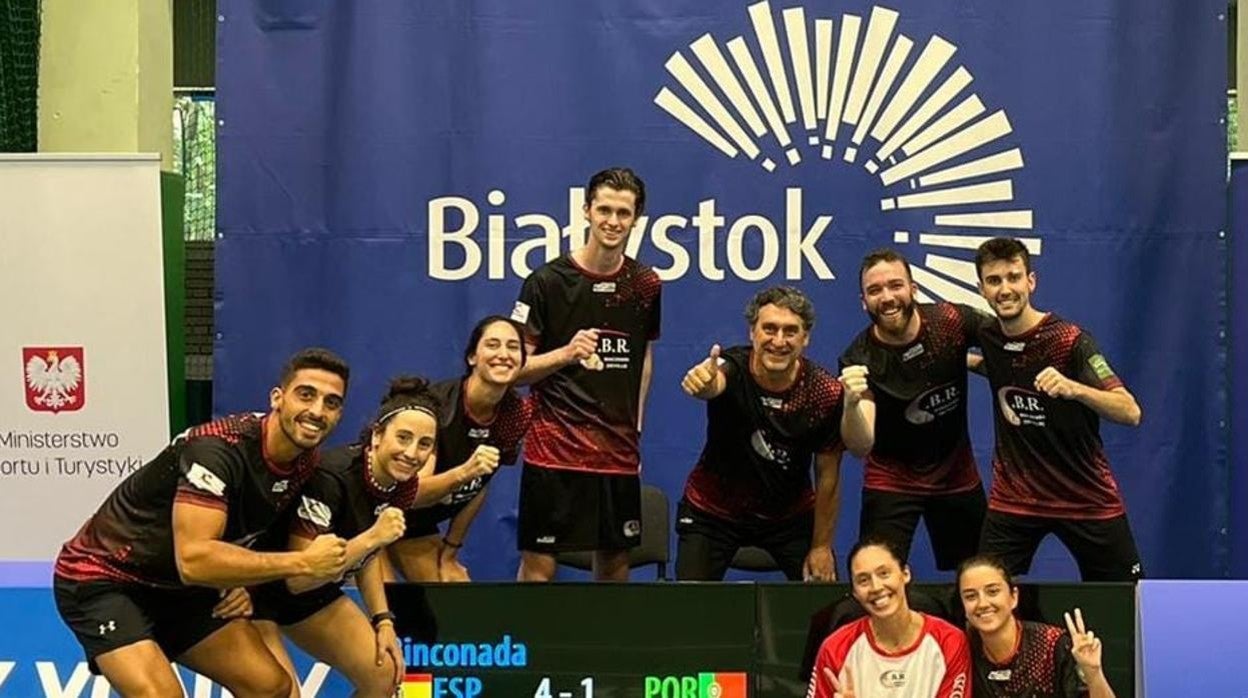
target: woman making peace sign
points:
(1022, 658)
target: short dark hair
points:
(883, 254)
(619, 178)
(318, 358)
(786, 297)
(1001, 249)
(985, 560)
(479, 329)
(873, 540)
(404, 392)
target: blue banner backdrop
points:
(1238, 334)
(389, 171)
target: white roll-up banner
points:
(84, 401)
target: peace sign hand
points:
(840, 689)
(1085, 646)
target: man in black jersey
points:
(145, 580)
(1051, 386)
(769, 410)
(590, 317)
(921, 465)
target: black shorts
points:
(953, 521)
(706, 543)
(420, 527)
(1104, 549)
(274, 602)
(105, 615)
(570, 510)
(425, 522)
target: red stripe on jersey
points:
(92, 569)
(955, 475)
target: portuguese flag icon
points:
(420, 686)
(721, 685)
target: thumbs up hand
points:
(703, 376)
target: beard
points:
(895, 324)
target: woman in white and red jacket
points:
(894, 651)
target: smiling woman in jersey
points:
(360, 493)
(894, 651)
(1013, 657)
(481, 419)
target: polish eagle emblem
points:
(54, 378)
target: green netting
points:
(19, 75)
(195, 156)
(1232, 124)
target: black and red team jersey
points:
(221, 464)
(585, 416)
(1040, 667)
(1048, 460)
(759, 444)
(459, 435)
(922, 444)
(345, 499)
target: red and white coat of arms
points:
(55, 378)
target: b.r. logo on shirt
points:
(893, 678)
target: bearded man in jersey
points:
(921, 465)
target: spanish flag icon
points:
(417, 686)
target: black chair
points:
(752, 559)
(653, 549)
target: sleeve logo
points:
(520, 312)
(204, 479)
(1100, 367)
(315, 511)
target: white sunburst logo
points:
(864, 97)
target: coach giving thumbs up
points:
(705, 381)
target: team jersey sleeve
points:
(210, 470)
(529, 308)
(957, 652)
(830, 436)
(972, 320)
(854, 355)
(1088, 364)
(514, 430)
(320, 505)
(655, 321)
(732, 365)
(825, 660)
(1066, 670)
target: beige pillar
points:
(106, 77)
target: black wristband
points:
(383, 616)
(449, 544)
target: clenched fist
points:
(389, 526)
(482, 463)
(583, 345)
(854, 380)
(1051, 382)
(326, 557)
